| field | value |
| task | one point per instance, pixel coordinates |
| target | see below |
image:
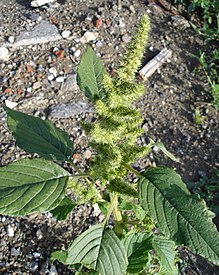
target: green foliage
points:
(63, 209)
(137, 246)
(167, 201)
(165, 249)
(208, 189)
(90, 75)
(210, 66)
(40, 137)
(39, 185)
(99, 249)
(31, 185)
(199, 119)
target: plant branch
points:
(128, 167)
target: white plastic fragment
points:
(155, 63)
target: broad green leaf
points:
(63, 209)
(31, 185)
(35, 135)
(137, 246)
(100, 249)
(182, 217)
(90, 75)
(166, 251)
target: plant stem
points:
(118, 216)
(110, 209)
(116, 213)
(128, 167)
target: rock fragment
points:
(39, 3)
(4, 54)
(42, 33)
(89, 36)
(64, 110)
(10, 231)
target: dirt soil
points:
(171, 96)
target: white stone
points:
(39, 234)
(29, 89)
(53, 270)
(36, 85)
(4, 54)
(36, 254)
(60, 79)
(51, 77)
(53, 71)
(39, 3)
(10, 104)
(89, 36)
(10, 231)
(66, 34)
(99, 44)
(11, 39)
(77, 53)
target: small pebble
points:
(36, 254)
(10, 231)
(36, 85)
(99, 44)
(60, 79)
(39, 234)
(53, 71)
(66, 34)
(126, 38)
(11, 39)
(87, 154)
(51, 77)
(14, 252)
(77, 53)
(53, 270)
(4, 54)
(98, 22)
(33, 266)
(89, 36)
(39, 3)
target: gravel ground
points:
(37, 77)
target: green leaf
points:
(90, 75)
(161, 146)
(63, 209)
(100, 249)
(35, 135)
(31, 185)
(166, 251)
(137, 247)
(60, 256)
(182, 217)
